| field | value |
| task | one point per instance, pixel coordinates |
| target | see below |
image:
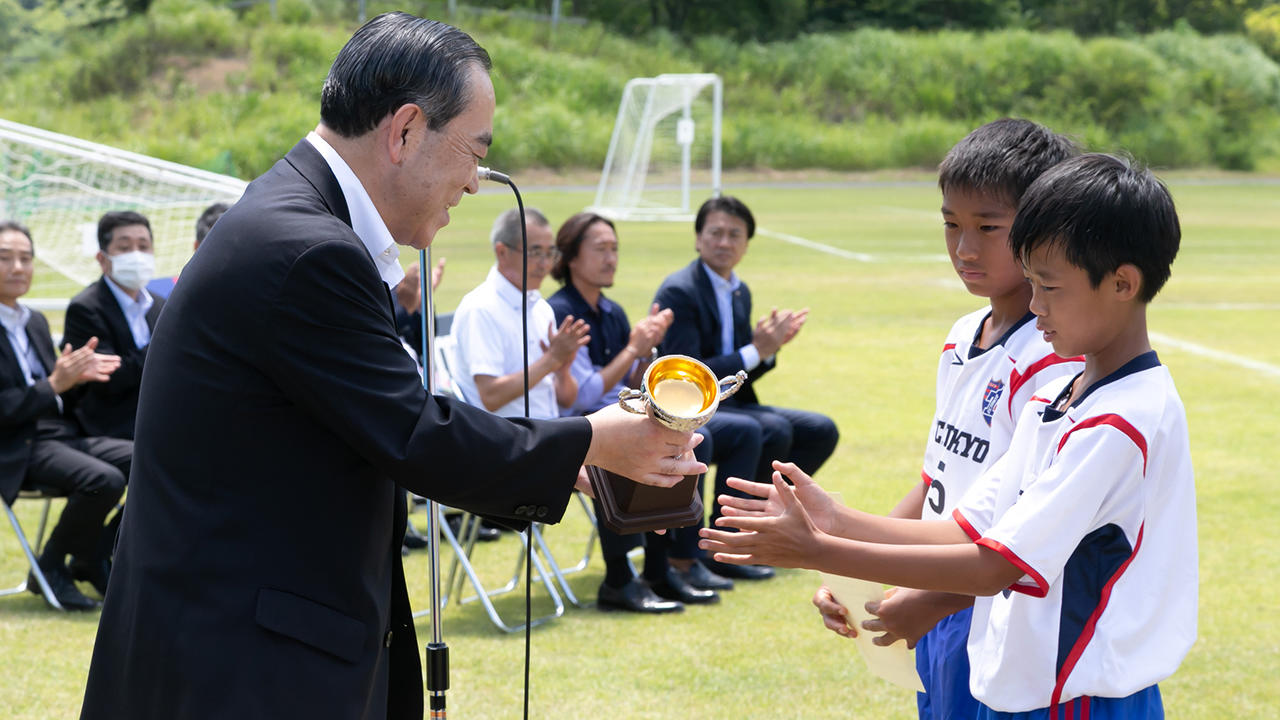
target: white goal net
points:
(59, 186)
(664, 156)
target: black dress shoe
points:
(414, 542)
(63, 587)
(635, 596)
(94, 572)
(674, 587)
(700, 577)
(739, 572)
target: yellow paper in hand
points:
(894, 663)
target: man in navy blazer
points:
(118, 310)
(277, 394)
(712, 308)
(41, 445)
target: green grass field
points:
(867, 358)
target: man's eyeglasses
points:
(551, 254)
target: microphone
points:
(487, 174)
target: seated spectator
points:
(615, 357)
(118, 311)
(42, 445)
(409, 306)
(487, 329)
(161, 287)
(712, 309)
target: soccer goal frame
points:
(59, 186)
(657, 123)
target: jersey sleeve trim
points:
(1041, 587)
(1087, 634)
(925, 479)
(1118, 423)
(965, 526)
(1017, 379)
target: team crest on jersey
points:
(990, 398)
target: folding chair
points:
(48, 497)
(464, 541)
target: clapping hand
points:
(82, 365)
(562, 344)
(777, 329)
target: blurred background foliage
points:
(833, 84)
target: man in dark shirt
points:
(616, 357)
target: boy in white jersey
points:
(1080, 542)
(992, 363)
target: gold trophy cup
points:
(681, 393)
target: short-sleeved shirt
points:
(610, 331)
(1096, 504)
(486, 330)
(979, 398)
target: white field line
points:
(847, 254)
(1202, 351)
(820, 247)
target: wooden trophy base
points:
(629, 507)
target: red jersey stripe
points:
(1118, 423)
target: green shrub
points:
(858, 100)
(1263, 26)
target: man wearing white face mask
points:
(118, 311)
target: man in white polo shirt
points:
(489, 362)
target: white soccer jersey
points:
(1096, 504)
(979, 396)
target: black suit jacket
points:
(258, 573)
(108, 409)
(695, 330)
(21, 406)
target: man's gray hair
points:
(506, 229)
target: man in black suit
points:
(712, 322)
(118, 310)
(45, 448)
(277, 393)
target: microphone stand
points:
(437, 651)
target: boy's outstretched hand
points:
(779, 532)
(820, 505)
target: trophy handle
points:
(628, 394)
(735, 382)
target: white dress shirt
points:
(724, 290)
(486, 330)
(135, 312)
(14, 321)
(365, 220)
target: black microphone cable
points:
(485, 173)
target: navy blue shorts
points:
(942, 659)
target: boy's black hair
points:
(1003, 158)
(112, 220)
(1102, 211)
(729, 205)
